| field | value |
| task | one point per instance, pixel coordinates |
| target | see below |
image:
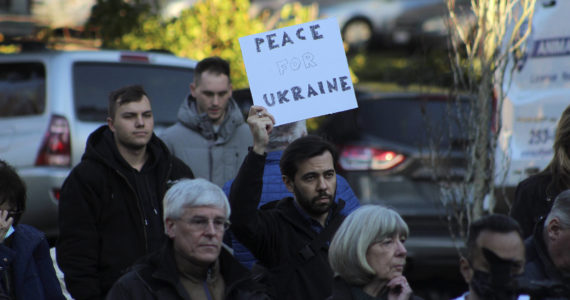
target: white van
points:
(537, 96)
(50, 101)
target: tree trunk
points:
(481, 161)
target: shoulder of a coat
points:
(534, 182)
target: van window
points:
(22, 89)
(93, 82)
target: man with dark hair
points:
(289, 237)
(494, 247)
(548, 249)
(273, 186)
(210, 135)
(26, 268)
(110, 209)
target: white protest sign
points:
(299, 72)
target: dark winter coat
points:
(276, 236)
(28, 259)
(538, 265)
(344, 291)
(104, 225)
(157, 278)
(275, 189)
(532, 201)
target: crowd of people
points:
(219, 207)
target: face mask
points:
(9, 232)
(486, 289)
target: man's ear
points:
(288, 183)
(193, 89)
(170, 226)
(110, 124)
(465, 269)
(553, 229)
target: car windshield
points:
(93, 81)
(414, 122)
(22, 89)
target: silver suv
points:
(51, 101)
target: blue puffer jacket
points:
(274, 189)
(32, 268)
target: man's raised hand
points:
(260, 123)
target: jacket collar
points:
(25, 240)
(291, 213)
(341, 289)
(165, 269)
(542, 252)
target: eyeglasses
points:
(14, 213)
(202, 224)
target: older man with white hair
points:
(193, 264)
(548, 249)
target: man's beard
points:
(311, 206)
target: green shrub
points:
(211, 27)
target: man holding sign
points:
(289, 237)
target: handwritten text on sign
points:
(299, 72)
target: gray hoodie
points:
(213, 156)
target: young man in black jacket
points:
(289, 237)
(110, 210)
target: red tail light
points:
(56, 148)
(134, 57)
(55, 193)
(353, 158)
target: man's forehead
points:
(138, 105)
(210, 77)
(323, 161)
(508, 245)
(205, 211)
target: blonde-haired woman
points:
(534, 195)
(368, 256)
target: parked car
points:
(50, 102)
(536, 95)
(397, 150)
(394, 22)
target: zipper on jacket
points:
(211, 160)
(207, 290)
(143, 218)
(166, 179)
